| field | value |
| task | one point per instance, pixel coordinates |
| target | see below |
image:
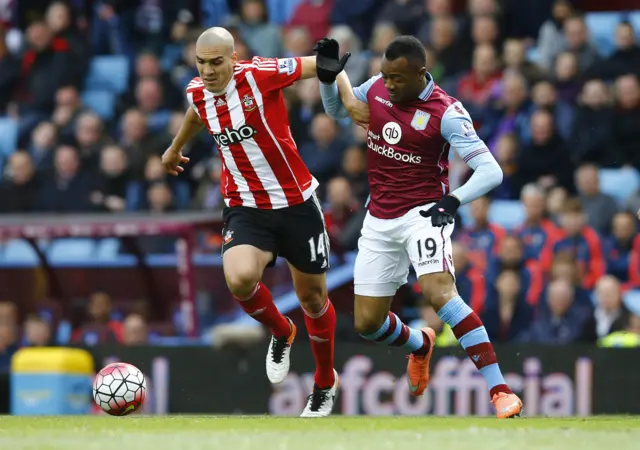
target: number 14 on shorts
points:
(318, 247)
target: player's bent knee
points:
(438, 288)
(242, 281)
(312, 298)
(366, 324)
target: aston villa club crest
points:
(228, 237)
(249, 103)
(420, 120)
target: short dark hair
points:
(407, 47)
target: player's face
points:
(215, 66)
(404, 81)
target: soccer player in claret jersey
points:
(413, 124)
(269, 192)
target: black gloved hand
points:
(328, 61)
(443, 212)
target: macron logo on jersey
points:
(384, 102)
(230, 136)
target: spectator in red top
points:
(622, 262)
(537, 233)
(45, 67)
(341, 211)
(100, 328)
(475, 88)
(470, 281)
(581, 242)
(314, 16)
(511, 257)
(484, 238)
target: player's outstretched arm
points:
(172, 157)
(339, 100)
(457, 128)
(308, 67)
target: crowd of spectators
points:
(552, 104)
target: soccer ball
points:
(119, 389)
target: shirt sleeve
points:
(193, 85)
(272, 74)
(457, 128)
(361, 91)
(331, 97)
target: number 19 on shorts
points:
(428, 247)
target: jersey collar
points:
(426, 93)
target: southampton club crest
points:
(249, 103)
(420, 120)
(228, 237)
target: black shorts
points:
(296, 233)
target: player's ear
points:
(234, 57)
(422, 72)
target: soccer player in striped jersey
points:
(271, 207)
(413, 124)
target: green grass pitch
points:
(335, 433)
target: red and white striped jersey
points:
(261, 166)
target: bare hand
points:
(172, 159)
(359, 112)
(638, 214)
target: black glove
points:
(328, 61)
(443, 212)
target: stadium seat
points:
(507, 213)
(108, 72)
(533, 54)
(631, 300)
(102, 102)
(602, 27)
(74, 249)
(107, 249)
(619, 183)
(634, 18)
(8, 137)
(18, 251)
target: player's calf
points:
(320, 320)
(439, 290)
(390, 330)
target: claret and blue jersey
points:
(408, 147)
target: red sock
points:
(321, 328)
(259, 305)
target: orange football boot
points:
(418, 367)
(507, 405)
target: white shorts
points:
(388, 246)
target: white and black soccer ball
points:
(119, 389)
